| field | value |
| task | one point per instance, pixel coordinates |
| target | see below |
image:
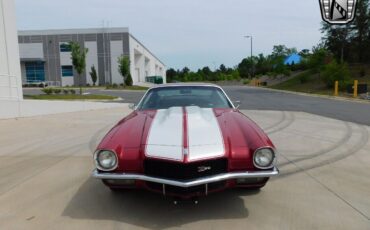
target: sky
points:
(192, 33)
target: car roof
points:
(185, 84)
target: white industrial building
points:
(46, 57)
(10, 80)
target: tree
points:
(206, 70)
(245, 67)
(223, 68)
(124, 67)
(318, 59)
(304, 53)
(361, 30)
(335, 72)
(171, 75)
(282, 51)
(93, 75)
(78, 56)
(185, 70)
(263, 64)
(337, 40)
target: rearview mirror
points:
(132, 106)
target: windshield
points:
(202, 96)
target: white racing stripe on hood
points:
(165, 137)
(204, 133)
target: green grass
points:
(69, 97)
(83, 87)
(306, 82)
(134, 87)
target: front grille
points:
(182, 171)
(195, 190)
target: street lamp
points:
(251, 37)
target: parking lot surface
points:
(45, 183)
(253, 98)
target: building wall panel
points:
(31, 50)
(10, 71)
(116, 51)
(91, 60)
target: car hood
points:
(185, 134)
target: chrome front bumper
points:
(186, 184)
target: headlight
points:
(264, 158)
(106, 160)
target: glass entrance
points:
(35, 72)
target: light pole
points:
(251, 37)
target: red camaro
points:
(185, 141)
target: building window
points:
(67, 71)
(65, 47)
(35, 72)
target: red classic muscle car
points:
(185, 140)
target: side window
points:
(65, 47)
(67, 71)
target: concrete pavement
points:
(29, 108)
(45, 183)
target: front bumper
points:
(190, 183)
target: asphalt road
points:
(45, 181)
(264, 99)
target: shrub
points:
(72, 91)
(65, 91)
(236, 75)
(286, 72)
(48, 91)
(229, 77)
(114, 86)
(362, 72)
(335, 72)
(128, 80)
(57, 91)
(246, 81)
(304, 78)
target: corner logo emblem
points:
(338, 11)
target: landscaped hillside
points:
(309, 82)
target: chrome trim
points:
(97, 164)
(272, 162)
(186, 184)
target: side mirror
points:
(237, 104)
(132, 106)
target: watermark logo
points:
(338, 11)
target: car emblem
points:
(203, 168)
(338, 11)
